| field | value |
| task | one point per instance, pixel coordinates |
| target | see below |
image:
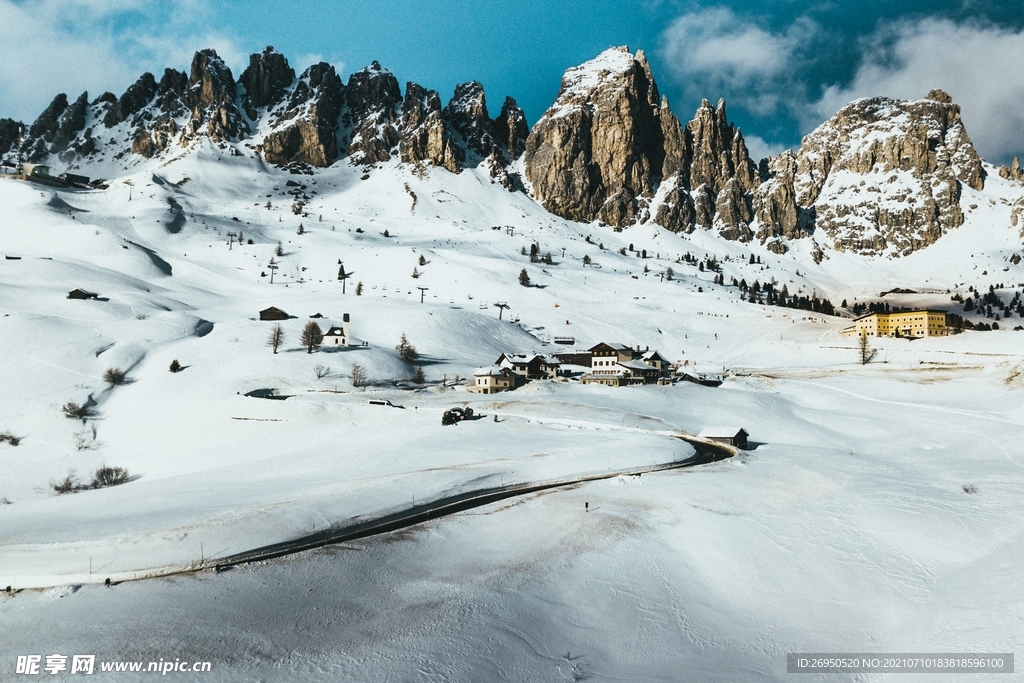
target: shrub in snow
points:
(115, 376)
(69, 484)
(109, 476)
(76, 412)
(10, 438)
(321, 371)
(524, 278)
(969, 488)
(175, 366)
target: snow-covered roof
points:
(489, 371)
(637, 365)
(721, 432)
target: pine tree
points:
(312, 336)
(423, 260)
(586, 260)
(415, 273)
(418, 377)
(524, 278)
(669, 274)
(864, 347)
(406, 351)
(359, 288)
(276, 338)
(279, 250)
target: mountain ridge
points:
(881, 177)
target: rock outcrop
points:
(511, 130)
(600, 142)
(886, 175)
(372, 97)
(266, 81)
(774, 203)
(138, 95)
(719, 153)
(425, 136)
(210, 97)
(306, 129)
(9, 132)
(1013, 171)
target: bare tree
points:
(276, 338)
(312, 336)
(321, 371)
(358, 375)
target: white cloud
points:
(979, 65)
(53, 46)
(718, 51)
(758, 148)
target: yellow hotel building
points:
(903, 324)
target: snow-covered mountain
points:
(894, 482)
(882, 177)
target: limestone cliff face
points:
(426, 137)
(153, 119)
(467, 114)
(719, 151)
(1013, 171)
(266, 81)
(886, 175)
(314, 120)
(306, 126)
(601, 142)
(511, 130)
(881, 176)
(372, 98)
(210, 97)
(774, 203)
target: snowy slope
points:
(847, 528)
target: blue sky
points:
(783, 66)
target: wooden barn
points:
(273, 313)
(734, 436)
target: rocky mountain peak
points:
(265, 80)
(467, 112)
(601, 145)
(372, 98)
(425, 135)
(306, 128)
(886, 175)
(1013, 171)
(511, 129)
(210, 96)
(719, 151)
